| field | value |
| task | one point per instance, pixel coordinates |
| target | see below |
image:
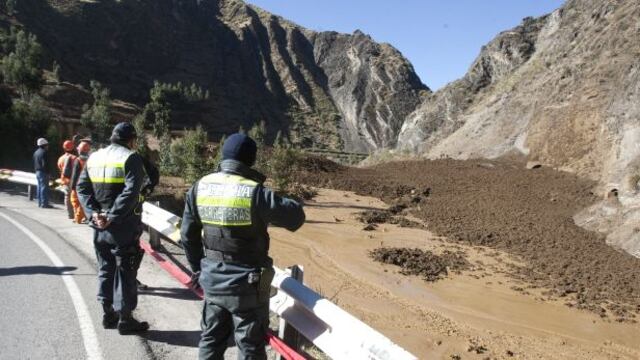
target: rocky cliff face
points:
(562, 89)
(326, 90)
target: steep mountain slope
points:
(563, 89)
(326, 90)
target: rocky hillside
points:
(563, 89)
(326, 90)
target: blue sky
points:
(441, 38)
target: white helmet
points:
(42, 142)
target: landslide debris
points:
(429, 266)
(525, 213)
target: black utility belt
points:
(246, 259)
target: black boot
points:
(109, 317)
(128, 324)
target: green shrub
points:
(186, 157)
(142, 146)
(21, 67)
(282, 162)
(97, 116)
(21, 123)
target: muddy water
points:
(476, 314)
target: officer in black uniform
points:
(224, 234)
(109, 190)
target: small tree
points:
(55, 72)
(194, 157)
(166, 164)
(97, 117)
(21, 68)
(281, 165)
(160, 116)
(139, 124)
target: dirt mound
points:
(374, 217)
(527, 213)
(429, 266)
(311, 163)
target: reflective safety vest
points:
(225, 199)
(225, 206)
(106, 166)
(106, 171)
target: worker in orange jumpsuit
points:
(65, 165)
(78, 165)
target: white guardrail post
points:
(286, 332)
(334, 331)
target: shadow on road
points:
(173, 293)
(174, 337)
(36, 270)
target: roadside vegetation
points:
(24, 117)
(23, 113)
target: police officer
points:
(224, 234)
(109, 190)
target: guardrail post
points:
(286, 332)
(154, 236)
(30, 192)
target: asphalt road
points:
(48, 308)
(48, 299)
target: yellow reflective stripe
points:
(107, 180)
(227, 223)
(235, 202)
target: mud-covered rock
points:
(429, 266)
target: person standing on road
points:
(43, 169)
(224, 234)
(109, 190)
(84, 147)
(65, 166)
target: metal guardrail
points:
(333, 330)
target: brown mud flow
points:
(504, 206)
(481, 312)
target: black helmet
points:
(124, 131)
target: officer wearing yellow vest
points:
(224, 234)
(109, 190)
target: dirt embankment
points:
(500, 204)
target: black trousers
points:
(245, 317)
(116, 277)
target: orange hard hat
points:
(67, 145)
(84, 147)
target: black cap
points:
(124, 131)
(240, 147)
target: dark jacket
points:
(117, 200)
(229, 278)
(76, 170)
(41, 160)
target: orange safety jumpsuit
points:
(65, 165)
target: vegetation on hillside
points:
(24, 116)
(97, 116)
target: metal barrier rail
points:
(333, 330)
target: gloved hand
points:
(194, 282)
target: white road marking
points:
(87, 330)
